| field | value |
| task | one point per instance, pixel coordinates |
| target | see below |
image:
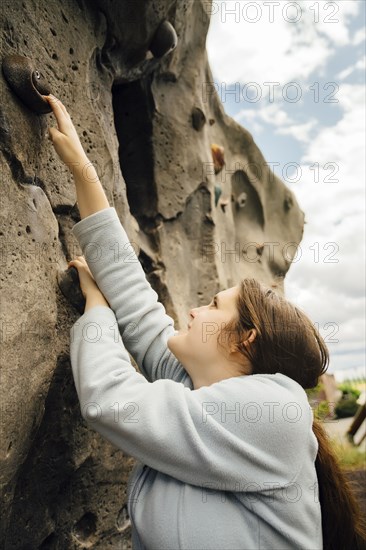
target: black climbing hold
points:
(164, 40)
(69, 283)
(198, 118)
(27, 82)
(287, 203)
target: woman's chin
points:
(180, 331)
(177, 334)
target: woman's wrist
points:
(90, 194)
(80, 167)
(95, 299)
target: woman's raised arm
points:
(142, 320)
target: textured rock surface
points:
(148, 127)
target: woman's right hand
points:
(65, 138)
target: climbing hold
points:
(198, 118)
(27, 82)
(212, 121)
(218, 157)
(224, 203)
(69, 283)
(287, 203)
(241, 199)
(218, 192)
(164, 40)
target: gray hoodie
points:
(225, 466)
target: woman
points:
(230, 456)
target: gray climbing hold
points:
(241, 199)
(27, 82)
(164, 40)
(69, 283)
(198, 118)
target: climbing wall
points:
(192, 190)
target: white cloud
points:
(336, 214)
(343, 145)
(338, 151)
(360, 65)
(345, 73)
(271, 114)
(333, 20)
(301, 132)
(359, 36)
(243, 49)
(283, 52)
(276, 116)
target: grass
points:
(350, 457)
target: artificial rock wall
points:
(148, 125)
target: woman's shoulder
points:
(278, 382)
(277, 392)
(281, 380)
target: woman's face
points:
(196, 346)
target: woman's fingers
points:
(60, 112)
(79, 259)
(81, 262)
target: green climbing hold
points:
(218, 192)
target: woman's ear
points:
(252, 335)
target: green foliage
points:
(313, 392)
(348, 389)
(324, 411)
(346, 406)
(349, 456)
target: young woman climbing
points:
(230, 456)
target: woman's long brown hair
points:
(288, 342)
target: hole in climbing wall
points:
(246, 201)
(132, 105)
(247, 212)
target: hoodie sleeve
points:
(142, 320)
(239, 434)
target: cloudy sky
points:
(317, 123)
